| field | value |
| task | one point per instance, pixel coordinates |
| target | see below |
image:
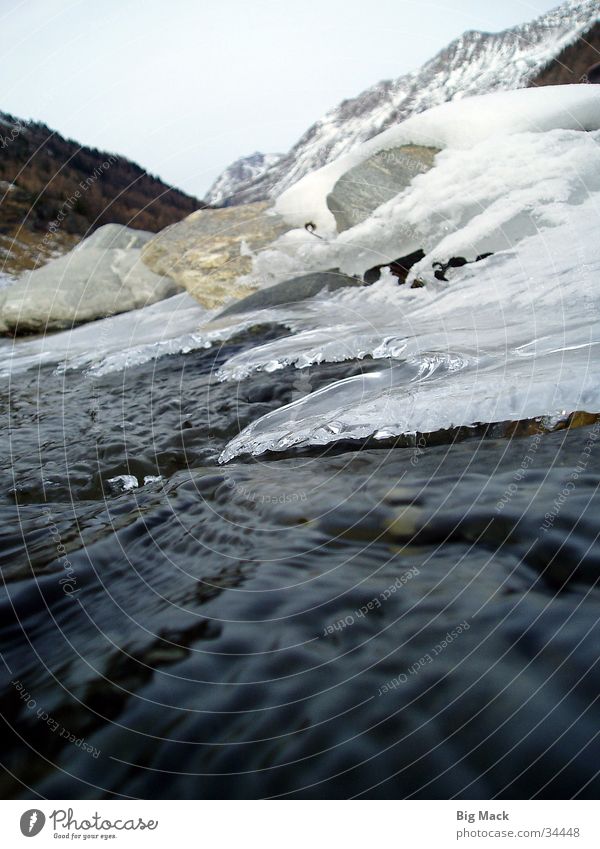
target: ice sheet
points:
(514, 336)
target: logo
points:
(32, 822)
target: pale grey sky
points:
(184, 87)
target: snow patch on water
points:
(112, 344)
(123, 483)
(514, 336)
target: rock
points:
(455, 262)
(207, 251)
(593, 73)
(399, 267)
(102, 276)
(363, 188)
(117, 237)
(291, 291)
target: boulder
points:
(291, 291)
(102, 276)
(366, 186)
(207, 251)
(115, 237)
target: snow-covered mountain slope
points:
(475, 63)
(240, 173)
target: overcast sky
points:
(184, 87)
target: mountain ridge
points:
(53, 191)
(474, 63)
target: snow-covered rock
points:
(509, 167)
(115, 237)
(364, 187)
(461, 125)
(102, 276)
(475, 63)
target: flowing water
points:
(374, 619)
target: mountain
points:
(245, 170)
(53, 191)
(555, 48)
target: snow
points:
(479, 200)
(241, 172)
(462, 125)
(123, 483)
(473, 201)
(127, 483)
(112, 344)
(515, 336)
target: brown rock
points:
(207, 252)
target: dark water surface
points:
(418, 621)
